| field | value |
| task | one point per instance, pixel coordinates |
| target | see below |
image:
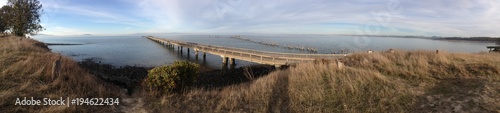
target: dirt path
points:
(131, 105)
(462, 95)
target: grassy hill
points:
(415, 81)
(25, 71)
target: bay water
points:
(139, 51)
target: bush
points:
(164, 79)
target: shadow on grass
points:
(453, 95)
(280, 98)
(219, 78)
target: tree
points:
(25, 17)
(5, 18)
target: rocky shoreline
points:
(131, 77)
(127, 77)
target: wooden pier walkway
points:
(229, 54)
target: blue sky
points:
(361, 17)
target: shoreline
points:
(61, 44)
(473, 39)
(131, 77)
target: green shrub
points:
(164, 79)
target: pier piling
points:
(224, 60)
(204, 55)
(232, 61)
(196, 53)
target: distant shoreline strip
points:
(52, 44)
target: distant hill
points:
(482, 39)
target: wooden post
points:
(340, 65)
(196, 53)
(56, 68)
(204, 55)
(224, 60)
(232, 61)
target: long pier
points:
(229, 54)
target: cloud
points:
(60, 30)
(403, 17)
(102, 16)
(3, 2)
(89, 17)
(460, 17)
(243, 14)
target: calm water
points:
(134, 50)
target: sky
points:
(357, 17)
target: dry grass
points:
(26, 67)
(417, 81)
